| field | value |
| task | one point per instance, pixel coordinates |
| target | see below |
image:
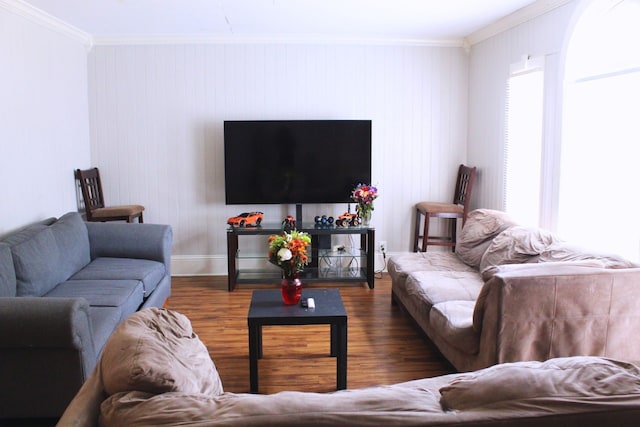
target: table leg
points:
(255, 348)
(341, 355)
(371, 250)
(232, 251)
(334, 340)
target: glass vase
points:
(291, 290)
(364, 212)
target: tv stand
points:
(298, 213)
(327, 265)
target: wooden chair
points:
(95, 208)
(450, 211)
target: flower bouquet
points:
(289, 252)
(364, 195)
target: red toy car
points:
(246, 219)
(289, 223)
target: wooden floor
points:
(383, 345)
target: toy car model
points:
(246, 219)
(289, 223)
(347, 219)
(323, 220)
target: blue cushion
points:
(72, 238)
(7, 272)
(148, 272)
(23, 234)
(36, 262)
(124, 294)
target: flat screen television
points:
(295, 161)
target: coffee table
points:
(267, 309)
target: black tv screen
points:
(299, 161)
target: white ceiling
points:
(358, 19)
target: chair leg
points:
(416, 231)
(132, 218)
(425, 237)
(454, 229)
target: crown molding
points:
(25, 10)
(518, 17)
(172, 39)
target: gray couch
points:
(511, 293)
(155, 371)
(65, 285)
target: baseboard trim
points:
(198, 265)
(216, 265)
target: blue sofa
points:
(65, 285)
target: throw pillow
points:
(72, 239)
(517, 245)
(156, 351)
(36, 262)
(481, 226)
(562, 252)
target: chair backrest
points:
(464, 184)
(91, 187)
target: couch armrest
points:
(540, 312)
(125, 240)
(46, 352)
(45, 322)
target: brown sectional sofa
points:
(154, 371)
(511, 293)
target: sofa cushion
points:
(148, 272)
(36, 262)
(481, 226)
(453, 321)
(156, 351)
(125, 294)
(400, 266)
(434, 287)
(72, 239)
(571, 378)
(517, 245)
(7, 272)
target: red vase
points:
(291, 290)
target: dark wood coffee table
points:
(267, 309)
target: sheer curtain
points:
(601, 131)
(523, 148)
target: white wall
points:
(157, 111)
(489, 65)
(44, 125)
(156, 117)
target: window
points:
(598, 203)
(523, 147)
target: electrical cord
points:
(378, 273)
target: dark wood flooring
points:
(384, 347)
